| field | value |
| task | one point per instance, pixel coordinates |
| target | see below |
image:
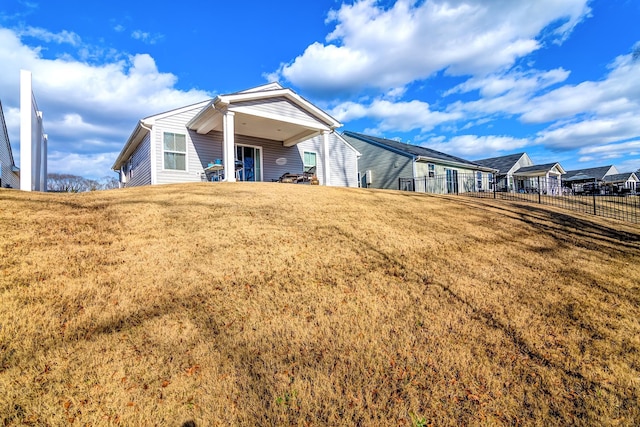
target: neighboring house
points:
(517, 173)
(583, 180)
(9, 172)
(258, 134)
(622, 183)
(390, 164)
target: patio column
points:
(326, 167)
(228, 146)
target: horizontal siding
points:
(6, 174)
(344, 163)
(422, 169)
(141, 165)
(200, 148)
(277, 106)
(385, 165)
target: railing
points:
(606, 200)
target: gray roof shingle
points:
(597, 173)
(410, 149)
(502, 163)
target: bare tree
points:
(67, 183)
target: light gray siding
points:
(386, 166)
(277, 106)
(7, 176)
(201, 149)
(139, 165)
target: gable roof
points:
(415, 151)
(597, 172)
(540, 169)
(502, 163)
(142, 129)
(621, 177)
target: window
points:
(175, 151)
(432, 170)
(479, 179)
(309, 162)
(490, 176)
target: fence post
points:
(594, 196)
(539, 191)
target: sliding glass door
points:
(248, 163)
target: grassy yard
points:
(279, 304)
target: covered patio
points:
(269, 112)
(543, 179)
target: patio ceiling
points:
(289, 133)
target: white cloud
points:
(590, 132)
(611, 151)
(474, 146)
(396, 116)
(146, 37)
(47, 36)
(89, 165)
(86, 106)
(375, 47)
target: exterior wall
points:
(275, 107)
(201, 149)
(344, 163)
(386, 166)
(138, 167)
(8, 178)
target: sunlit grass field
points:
(283, 304)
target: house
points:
(517, 173)
(259, 134)
(588, 180)
(622, 183)
(390, 164)
(9, 172)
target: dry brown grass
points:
(274, 304)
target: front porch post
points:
(326, 167)
(228, 145)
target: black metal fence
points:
(618, 201)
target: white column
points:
(326, 167)
(36, 163)
(228, 146)
(25, 130)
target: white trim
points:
(259, 147)
(228, 146)
(279, 118)
(153, 151)
(326, 161)
(186, 153)
(317, 157)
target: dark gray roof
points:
(619, 177)
(409, 149)
(538, 168)
(502, 163)
(597, 173)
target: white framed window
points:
(310, 162)
(490, 176)
(431, 168)
(175, 151)
(479, 179)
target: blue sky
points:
(476, 78)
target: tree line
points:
(67, 183)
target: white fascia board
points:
(132, 143)
(151, 120)
(344, 141)
(302, 136)
(201, 117)
(304, 123)
(286, 93)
